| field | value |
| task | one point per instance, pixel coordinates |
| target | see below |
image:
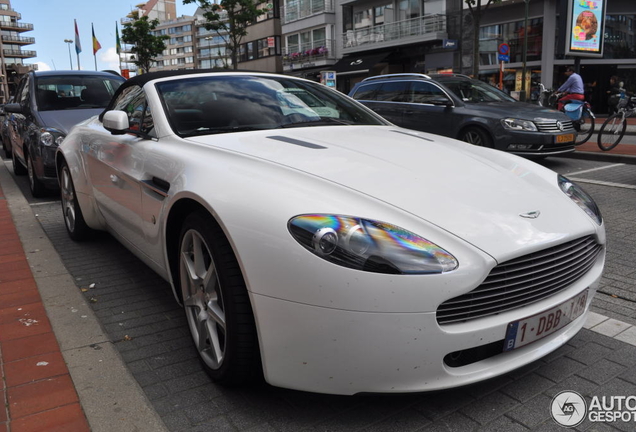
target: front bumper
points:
(536, 143)
(347, 352)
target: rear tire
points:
(18, 168)
(612, 132)
(585, 128)
(71, 211)
(216, 303)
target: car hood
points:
(64, 120)
(477, 194)
(519, 110)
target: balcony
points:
(320, 53)
(19, 53)
(298, 10)
(18, 40)
(16, 26)
(425, 28)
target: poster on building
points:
(586, 22)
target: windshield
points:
(475, 91)
(64, 92)
(232, 103)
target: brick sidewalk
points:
(36, 392)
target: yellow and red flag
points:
(96, 45)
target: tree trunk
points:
(476, 24)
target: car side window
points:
(426, 93)
(366, 92)
(133, 102)
(393, 91)
(22, 95)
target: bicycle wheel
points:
(612, 132)
(585, 128)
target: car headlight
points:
(369, 245)
(581, 198)
(48, 137)
(518, 124)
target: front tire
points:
(612, 132)
(216, 303)
(37, 187)
(476, 136)
(71, 211)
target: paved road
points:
(137, 310)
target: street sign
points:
(503, 57)
(504, 49)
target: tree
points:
(476, 11)
(240, 14)
(145, 46)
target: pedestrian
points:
(572, 88)
(613, 94)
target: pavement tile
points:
(3, 405)
(602, 371)
(589, 353)
(628, 336)
(574, 383)
(35, 368)
(527, 388)
(20, 298)
(20, 322)
(611, 327)
(559, 369)
(488, 408)
(29, 346)
(440, 404)
(69, 418)
(630, 376)
(503, 424)
(626, 355)
(41, 396)
(532, 412)
(17, 286)
(453, 423)
(593, 319)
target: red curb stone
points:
(29, 347)
(36, 368)
(40, 396)
(69, 418)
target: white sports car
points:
(331, 251)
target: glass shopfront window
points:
(490, 37)
(620, 37)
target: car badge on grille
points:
(560, 125)
(531, 215)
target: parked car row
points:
(316, 244)
(45, 107)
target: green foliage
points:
(233, 26)
(145, 46)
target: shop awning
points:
(357, 63)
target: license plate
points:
(564, 138)
(535, 327)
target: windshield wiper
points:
(322, 122)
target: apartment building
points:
(12, 52)
(181, 47)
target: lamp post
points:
(70, 59)
(209, 38)
(524, 54)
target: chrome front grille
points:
(523, 280)
(550, 126)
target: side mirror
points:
(14, 108)
(115, 122)
(442, 101)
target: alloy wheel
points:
(202, 298)
(68, 199)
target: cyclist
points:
(572, 88)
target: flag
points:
(117, 43)
(96, 45)
(78, 45)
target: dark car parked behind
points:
(47, 104)
(459, 107)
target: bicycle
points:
(613, 128)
